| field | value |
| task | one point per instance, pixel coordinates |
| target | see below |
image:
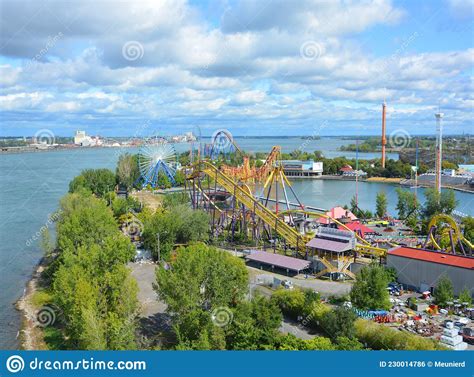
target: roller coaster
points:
(444, 234)
(259, 214)
(252, 212)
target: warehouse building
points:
(421, 269)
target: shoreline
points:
(30, 337)
(392, 181)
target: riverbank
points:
(411, 183)
(349, 178)
(30, 335)
(392, 181)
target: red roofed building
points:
(361, 229)
(338, 213)
(421, 269)
(346, 168)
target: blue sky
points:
(267, 67)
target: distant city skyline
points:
(252, 67)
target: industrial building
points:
(302, 169)
(421, 269)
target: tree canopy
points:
(97, 181)
(443, 292)
(370, 289)
(201, 277)
(127, 170)
(436, 203)
(381, 204)
(91, 284)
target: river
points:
(32, 183)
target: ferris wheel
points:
(157, 157)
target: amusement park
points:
(257, 202)
(210, 246)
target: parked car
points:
(287, 284)
(395, 289)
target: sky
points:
(261, 67)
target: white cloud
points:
(248, 67)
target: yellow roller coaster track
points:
(458, 236)
(364, 247)
(290, 234)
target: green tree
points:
(127, 170)
(122, 206)
(178, 224)
(46, 243)
(339, 323)
(254, 325)
(465, 296)
(443, 291)
(318, 343)
(97, 181)
(291, 302)
(347, 344)
(201, 277)
(406, 205)
(354, 204)
(289, 342)
(163, 181)
(391, 274)
(448, 202)
(468, 225)
(179, 178)
(196, 331)
(370, 289)
(381, 204)
(92, 285)
(84, 220)
(436, 203)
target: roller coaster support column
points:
(214, 211)
(233, 213)
(453, 248)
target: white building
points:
(301, 169)
(80, 138)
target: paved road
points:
(154, 321)
(144, 273)
(291, 327)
